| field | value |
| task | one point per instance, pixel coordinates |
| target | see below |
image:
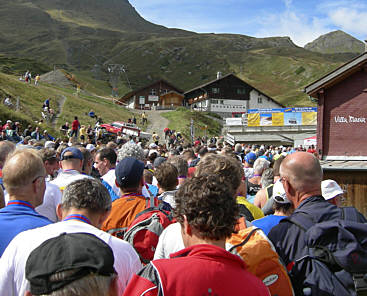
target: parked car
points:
(125, 128)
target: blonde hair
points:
(21, 168)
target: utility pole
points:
(115, 70)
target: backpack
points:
(123, 213)
(144, 232)
(261, 259)
(337, 254)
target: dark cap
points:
(129, 172)
(82, 252)
(72, 152)
(158, 161)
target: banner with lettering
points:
(282, 116)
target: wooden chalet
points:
(158, 94)
(341, 125)
(228, 94)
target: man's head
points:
(87, 195)
(181, 165)
(87, 160)
(72, 159)
(50, 160)
(131, 149)
(72, 264)
(104, 160)
(260, 165)
(332, 192)
(6, 148)
(206, 209)
(167, 176)
(301, 175)
(129, 174)
(226, 168)
(24, 176)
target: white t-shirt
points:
(170, 241)
(64, 178)
(13, 260)
(110, 179)
(51, 199)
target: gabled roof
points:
(336, 75)
(131, 93)
(226, 76)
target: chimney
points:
(219, 75)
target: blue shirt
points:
(17, 217)
(267, 223)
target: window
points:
(214, 101)
(259, 100)
(241, 91)
(153, 92)
(215, 90)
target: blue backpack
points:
(337, 254)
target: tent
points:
(310, 141)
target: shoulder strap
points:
(245, 240)
(349, 214)
(302, 220)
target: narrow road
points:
(156, 122)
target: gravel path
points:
(61, 103)
(156, 122)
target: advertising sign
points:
(282, 116)
(141, 100)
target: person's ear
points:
(103, 217)
(186, 226)
(59, 211)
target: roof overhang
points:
(337, 75)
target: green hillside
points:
(63, 100)
(85, 36)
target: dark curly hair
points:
(227, 168)
(208, 204)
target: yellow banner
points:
(253, 119)
(309, 118)
(278, 119)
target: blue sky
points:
(302, 20)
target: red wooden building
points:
(341, 128)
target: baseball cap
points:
(90, 147)
(158, 161)
(129, 171)
(82, 252)
(153, 146)
(72, 152)
(330, 189)
(279, 194)
(250, 157)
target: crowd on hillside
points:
(82, 216)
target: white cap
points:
(330, 189)
(279, 194)
(91, 147)
(49, 144)
(153, 145)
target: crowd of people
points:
(68, 205)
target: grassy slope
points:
(180, 121)
(31, 99)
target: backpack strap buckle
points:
(360, 283)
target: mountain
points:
(85, 36)
(336, 42)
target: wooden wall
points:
(355, 185)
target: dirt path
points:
(156, 122)
(61, 103)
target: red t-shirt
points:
(75, 125)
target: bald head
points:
(303, 171)
(21, 169)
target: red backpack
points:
(144, 231)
